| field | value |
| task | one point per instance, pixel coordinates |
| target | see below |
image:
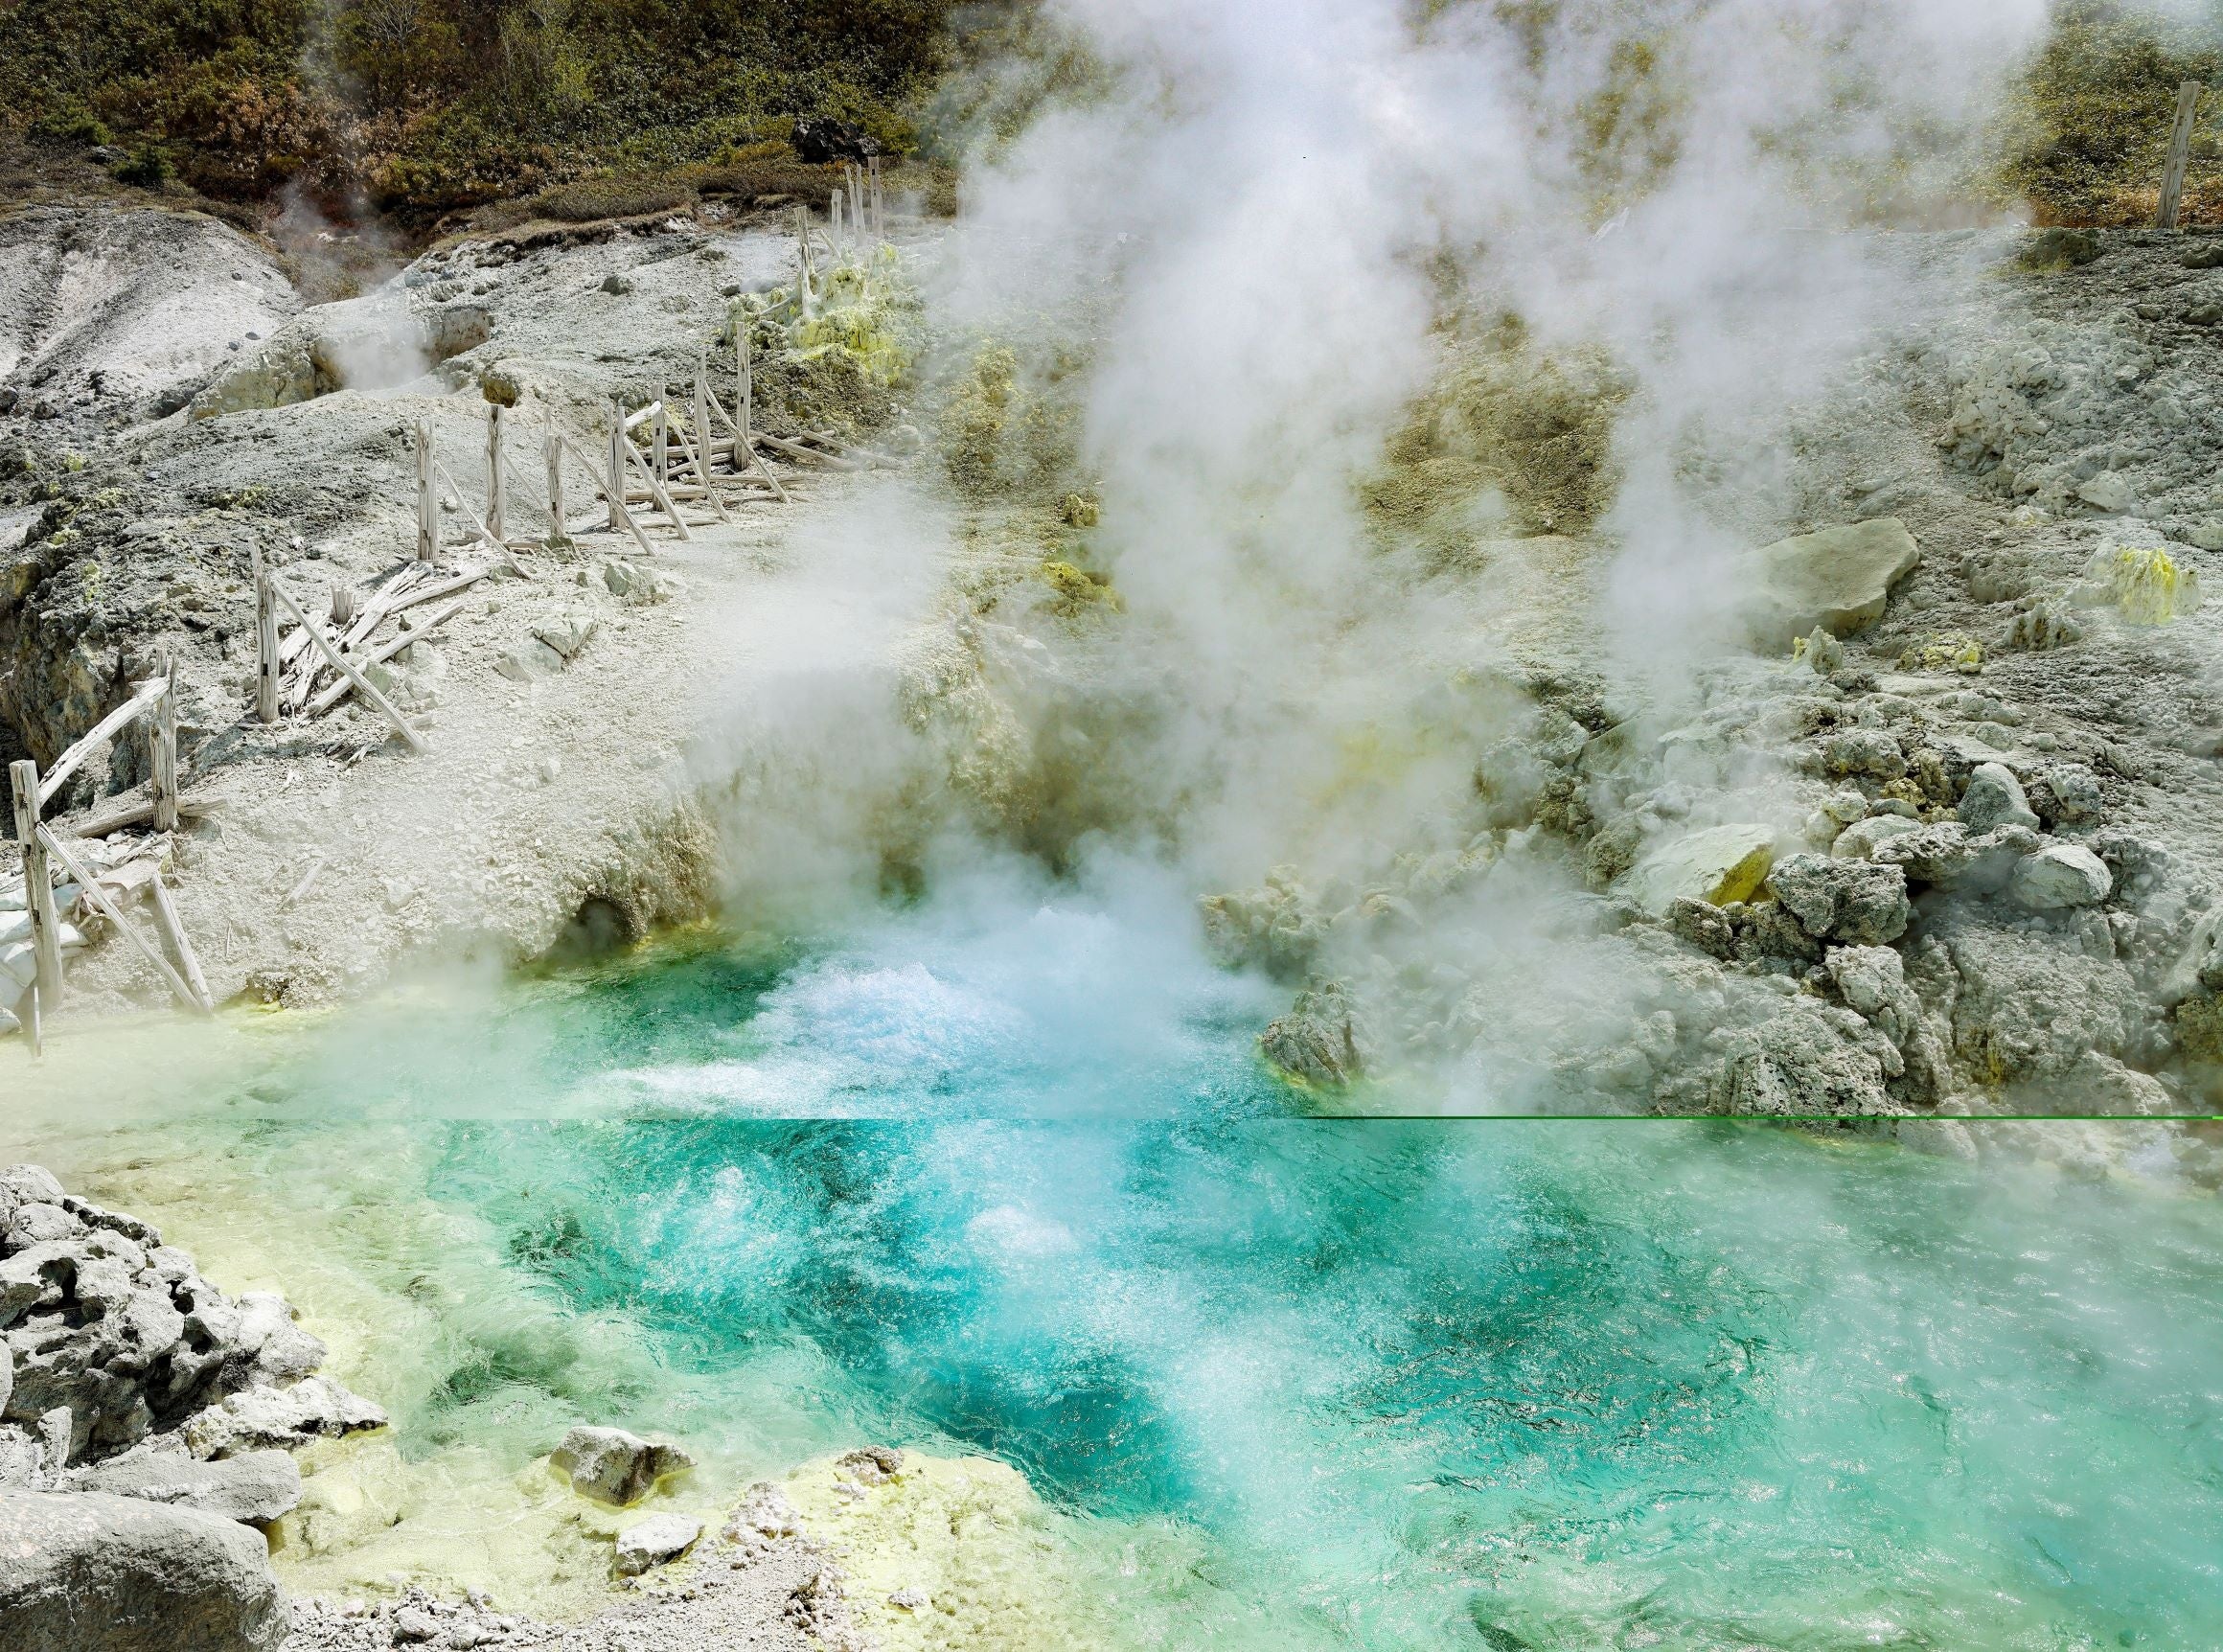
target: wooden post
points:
(617, 473)
(427, 503)
(2180, 153)
(743, 393)
(266, 642)
(162, 788)
(803, 259)
(496, 493)
(552, 458)
(702, 417)
(856, 201)
(37, 884)
(878, 205)
(660, 439)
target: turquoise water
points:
(1000, 1172)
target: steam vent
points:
(1118, 826)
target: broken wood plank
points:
(161, 782)
(92, 739)
(173, 927)
(140, 813)
(108, 909)
(37, 880)
(336, 691)
(364, 686)
(2180, 155)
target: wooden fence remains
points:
(155, 703)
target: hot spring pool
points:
(1001, 1176)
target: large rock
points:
(615, 1466)
(1717, 864)
(1858, 903)
(83, 1571)
(256, 1486)
(1322, 1039)
(2061, 875)
(263, 1417)
(1839, 579)
(1810, 1060)
(1993, 798)
(2022, 1004)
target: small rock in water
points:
(615, 1466)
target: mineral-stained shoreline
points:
(146, 1457)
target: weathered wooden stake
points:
(266, 642)
(37, 884)
(803, 271)
(427, 503)
(856, 201)
(552, 459)
(617, 474)
(661, 444)
(879, 206)
(743, 393)
(702, 415)
(162, 787)
(496, 493)
(2180, 154)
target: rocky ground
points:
(1944, 841)
(169, 412)
(146, 1461)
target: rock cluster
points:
(112, 1337)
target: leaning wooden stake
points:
(2180, 154)
(163, 787)
(496, 495)
(181, 952)
(427, 505)
(99, 897)
(266, 642)
(340, 663)
(37, 884)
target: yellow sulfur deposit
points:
(2147, 584)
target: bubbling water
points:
(998, 1174)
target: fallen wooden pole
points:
(37, 882)
(93, 738)
(811, 455)
(108, 909)
(619, 515)
(172, 927)
(336, 691)
(137, 813)
(2180, 155)
(364, 686)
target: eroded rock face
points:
(116, 1334)
(615, 1466)
(256, 1486)
(84, 1571)
(1857, 903)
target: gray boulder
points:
(1995, 798)
(2021, 1004)
(615, 1466)
(2061, 875)
(255, 1486)
(1858, 903)
(1321, 1040)
(81, 1572)
(1809, 1060)
(656, 1541)
(1839, 579)
(263, 1417)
